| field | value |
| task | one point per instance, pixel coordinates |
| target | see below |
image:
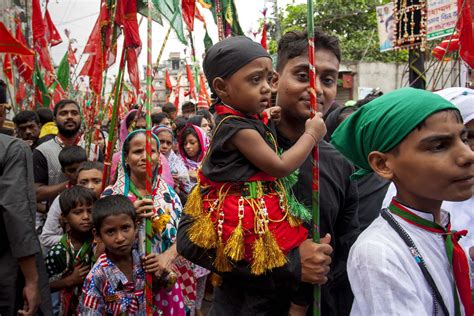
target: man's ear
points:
(274, 82)
(220, 87)
(381, 163)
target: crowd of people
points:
(231, 197)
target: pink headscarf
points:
(203, 142)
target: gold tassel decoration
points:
(194, 205)
(275, 256)
(259, 258)
(292, 220)
(221, 262)
(202, 232)
(159, 223)
(234, 247)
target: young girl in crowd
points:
(178, 169)
(193, 144)
(202, 122)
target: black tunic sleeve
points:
(224, 164)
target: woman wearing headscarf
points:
(178, 169)
(127, 125)
(163, 207)
(180, 173)
(202, 122)
(192, 145)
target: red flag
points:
(94, 72)
(204, 101)
(132, 66)
(168, 84)
(126, 15)
(24, 64)
(188, 7)
(94, 39)
(263, 41)
(39, 30)
(86, 69)
(109, 44)
(8, 44)
(176, 97)
(176, 92)
(464, 29)
(39, 37)
(51, 33)
(446, 46)
(58, 93)
(198, 15)
(71, 56)
(192, 86)
(20, 92)
(7, 68)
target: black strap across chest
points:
(437, 298)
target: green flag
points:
(41, 88)
(63, 73)
(171, 11)
(142, 8)
(207, 41)
(228, 15)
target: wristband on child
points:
(313, 137)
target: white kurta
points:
(385, 278)
(462, 216)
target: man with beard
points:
(49, 179)
(27, 127)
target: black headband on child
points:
(229, 55)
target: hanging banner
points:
(442, 17)
(386, 26)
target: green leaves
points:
(353, 22)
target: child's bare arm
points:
(251, 144)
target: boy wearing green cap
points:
(408, 261)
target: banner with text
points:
(442, 17)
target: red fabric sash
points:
(455, 253)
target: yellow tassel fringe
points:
(194, 205)
(234, 247)
(293, 221)
(275, 257)
(221, 262)
(202, 232)
(259, 260)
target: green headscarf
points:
(383, 123)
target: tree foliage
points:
(354, 22)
